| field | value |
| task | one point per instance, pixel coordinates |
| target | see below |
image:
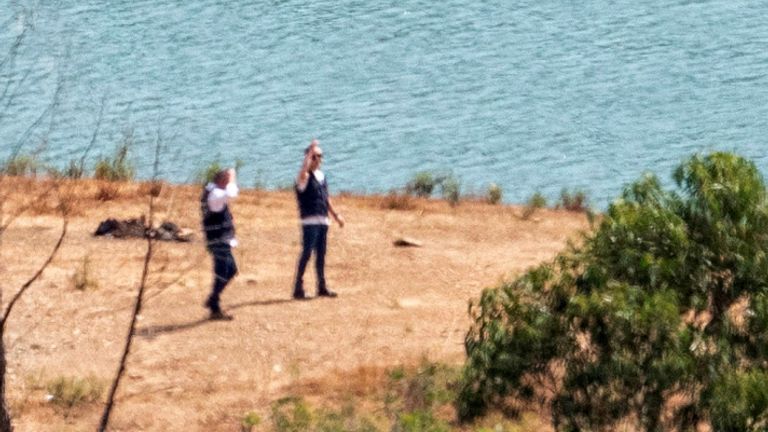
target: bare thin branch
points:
(23, 289)
(104, 424)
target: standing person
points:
(314, 206)
(219, 228)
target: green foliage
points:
(615, 325)
(425, 182)
(250, 420)
(573, 201)
(21, 165)
(292, 414)
(419, 421)
(422, 184)
(494, 194)
(451, 190)
(535, 202)
(205, 175)
(117, 168)
(69, 392)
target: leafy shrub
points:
(69, 392)
(494, 194)
(667, 300)
(575, 201)
(422, 184)
(535, 202)
(451, 190)
(117, 168)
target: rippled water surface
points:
(531, 95)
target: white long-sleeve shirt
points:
(218, 198)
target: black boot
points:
(298, 292)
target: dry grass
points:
(188, 374)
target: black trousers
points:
(314, 238)
(224, 269)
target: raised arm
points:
(303, 177)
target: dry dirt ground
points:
(395, 305)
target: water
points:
(532, 95)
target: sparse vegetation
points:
(250, 421)
(535, 202)
(414, 395)
(397, 201)
(205, 175)
(82, 279)
(21, 165)
(494, 194)
(575, 201)
(118, 167)
(70, 392)
(108, 191)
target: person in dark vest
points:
(314, 206)
(219, 228)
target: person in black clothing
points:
(219, 228)
(314, 206)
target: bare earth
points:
(395, 305)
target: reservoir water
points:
(532, 95)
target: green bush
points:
(614, 326)
(451, 190)
(494, 194)
(422, 184)
(535, 202)
(117, 168)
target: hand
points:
(231, 175)
(340, 220)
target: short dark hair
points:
(220, 175)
